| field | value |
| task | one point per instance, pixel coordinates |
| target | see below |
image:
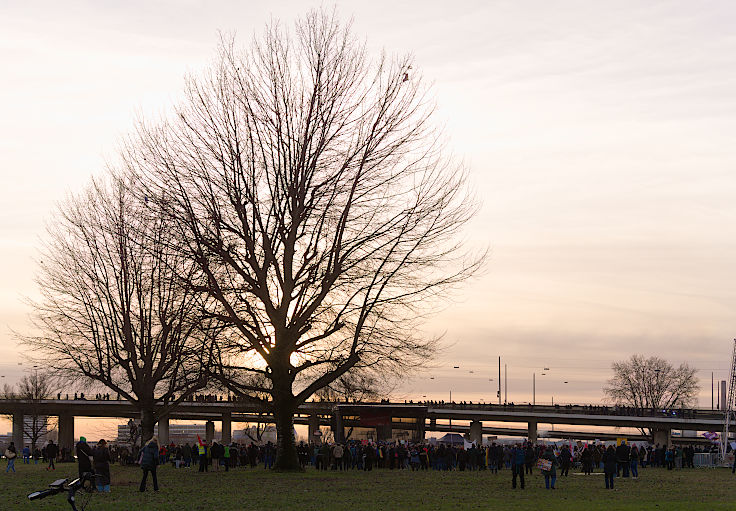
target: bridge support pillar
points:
(163, 431)
(209, 432)
(419, 433)
(18, 431)
(227, 429)
(66, 431)
(532, 432)
(313, 427)
(662, 437)
(339, 427)
(384, 432)
(476, 432)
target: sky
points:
(599, 136)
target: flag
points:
(199, 440)
(711, 435)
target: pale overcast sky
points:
(599, 137)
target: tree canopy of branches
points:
(32, 389)
(113, 309)
(652, 383)
(308, 185)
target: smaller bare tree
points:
(32, 389)
(652, 383)
(114, 310)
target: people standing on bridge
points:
(609, 466)
(518, 458)
(149, 462)
(84, 452)
(10, 454)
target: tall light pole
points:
(499, 380)
(534, 389)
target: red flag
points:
(199, 440)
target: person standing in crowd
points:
(186, 453)
(338, 454)
(215, 455)
(669, 459)
(26, 455)
(634, 462)
(10, 454)
(226, 456)
(586, 457)
(518, 458)
(565, 460)
(529, 458)
(622, 458)
(52, 451)
(84, 452)
(609, 466)
(551, 474)
(149, 462)
(202, 451)
(101, 459)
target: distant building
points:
(178, 433)
(250, 434)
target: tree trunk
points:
(148, 421)
(286, 455)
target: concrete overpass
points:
(385, 417)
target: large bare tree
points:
(113, 310)
(319, 205)
(652, 382)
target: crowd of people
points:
(519, 459)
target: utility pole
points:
(499, 380)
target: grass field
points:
(246, 489)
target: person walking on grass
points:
(550, 476)
(52, 451)
(149, 462)
(11, 453)
(609, 466)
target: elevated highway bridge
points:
(385, 418)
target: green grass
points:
(246, 489)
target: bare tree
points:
(356, 386)
(309, 186)
(113, 310)
(652, 383)
(32, 389)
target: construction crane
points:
(728, 411)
